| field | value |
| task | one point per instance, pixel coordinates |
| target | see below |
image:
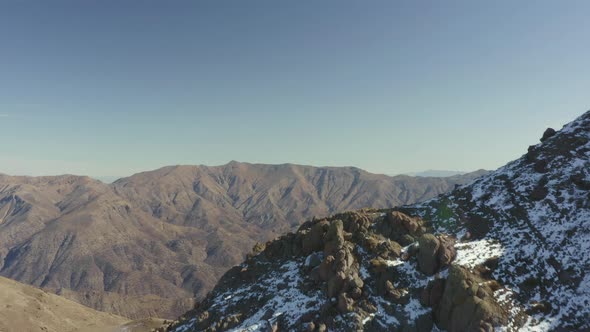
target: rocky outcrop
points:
(339, 269)
(550, 132)
(333, 253)
(346, 261)
(464, 302)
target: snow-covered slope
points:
(538, 209)
(509, 252)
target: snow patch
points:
(471, 254)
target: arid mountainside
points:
(508, 252)
(273, 197)
(76, 237)
(149, 244)
(25, 308)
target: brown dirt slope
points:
(25, 308)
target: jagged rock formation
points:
(508, 252)
(149, 244)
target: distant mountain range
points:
(508, 252)
(149, 244)
(107, 179)
(428, 173)
(437, 173)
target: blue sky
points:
(116, 87)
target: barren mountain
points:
(509, 252)
(76, 237)
(149, 244)
(273, 197)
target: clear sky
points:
(114, 87)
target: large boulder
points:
(389, 249)
(435, 253)
(339, 269)
(400, 227)
(550, 132)
(381, 247)
(446, 251)
(540, 166)
(334, 237)
(336, 284)
(539, 193)
(313, 260)
(314, 239)
(355, 222)
(345, 303)
(428, 246)
(466, 303)
(581, 181)
(432, 293)
(286, 246)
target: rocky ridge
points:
(508, 252)
(347, 273)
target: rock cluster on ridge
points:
(342, 273)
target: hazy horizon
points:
(111, 89)
(112, 178)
